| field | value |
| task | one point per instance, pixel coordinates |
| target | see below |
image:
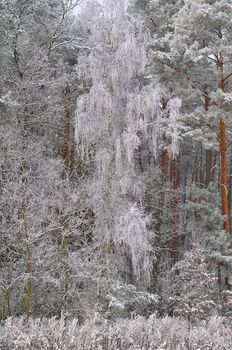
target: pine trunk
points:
(224, 192)
(230, 186)
(175, 243)
(209, 163)
(223, 149)
(165, 162)
(165, 154)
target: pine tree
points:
(204, 53)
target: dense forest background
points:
(116, 173)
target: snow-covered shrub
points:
(125, 299)
(139, 333)
(195, 297)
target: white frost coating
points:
(113, 114)
(131, 143)
(172, 132)
(131, 231)
(157, 333)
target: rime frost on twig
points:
(112, 116)
(136, 333)
(110, 119)
(174, 106)
(131, 231)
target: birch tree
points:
(110, 120)
(33, 73)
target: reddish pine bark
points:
(165, 162)
(172, 168)
(223, 148)
(165, 155)
(175, 242)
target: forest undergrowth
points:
(139, 333)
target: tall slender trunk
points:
(28, 258)
(175, 243)
(66, 274)
(67, 128)
(230, 186)
(224, 191)
(67, 147)
(209, 152)
(165, 162)
(165, 155)
(29, 282)
(209, 162)
(223, 149)
(202, 170)
(159, 210)
(6, 304)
